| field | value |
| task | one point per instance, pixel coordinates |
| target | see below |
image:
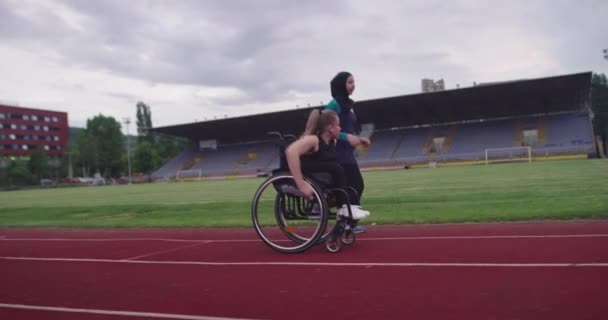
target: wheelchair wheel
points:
(283, 219)
(333, 244)
(348, 237)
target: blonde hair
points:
(319, 120)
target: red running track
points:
(539, 270)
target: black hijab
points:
(338, 89)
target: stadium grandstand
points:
(526, 120)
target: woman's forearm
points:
(293, 161)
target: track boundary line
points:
(549, 236)
(325, 264)
(114, 312)
(166, 251)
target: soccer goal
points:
(190, 174)
(509, 154)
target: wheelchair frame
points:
(290, 205)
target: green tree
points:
(18, 174)
(4, 166)
(85, 154)
(105, 134)
(599, 105)
(145, 157)
(168, 147)
(39, 163)
(144, 122)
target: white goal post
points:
(509, 154)
(191, 174)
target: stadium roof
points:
(484, 101)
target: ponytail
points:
(318, 120)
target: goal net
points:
(509, 154)
(191, 174)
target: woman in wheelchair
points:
(315, 152)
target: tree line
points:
(99, 148)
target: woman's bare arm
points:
(293, 154)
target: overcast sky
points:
(191, 60)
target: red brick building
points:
(23, 129)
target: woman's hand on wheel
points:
(365, 141)
(306, 190)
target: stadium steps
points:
(362, 151)
(247, 157)
(429, 142)
(542, 131)
(397, 147)
(518, 133)
(192, 162)
(448, 139)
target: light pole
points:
(127, 122)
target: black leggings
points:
(354, 179)
(338, 177)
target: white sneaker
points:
(365, 212)
(358, 213)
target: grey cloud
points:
(268, 49)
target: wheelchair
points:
(288, 222)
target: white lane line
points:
(324, 264)
(165, 251)
(103, 239)
(114, 312)
(550, 236)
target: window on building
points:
(55, 138)
(26, 117)
(35, 138)
(46, 148)
(12, 136)
(14, 126)
(45, 128)
(27, 137)
(2, 116)
(15, 146)
(24, 147)
(1, 126)
(59, 148)
(23, 127)
(47, 119)
(37, 128)
(55, 119)
(34, 118)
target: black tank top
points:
(326, 152)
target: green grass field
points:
(505, 192)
